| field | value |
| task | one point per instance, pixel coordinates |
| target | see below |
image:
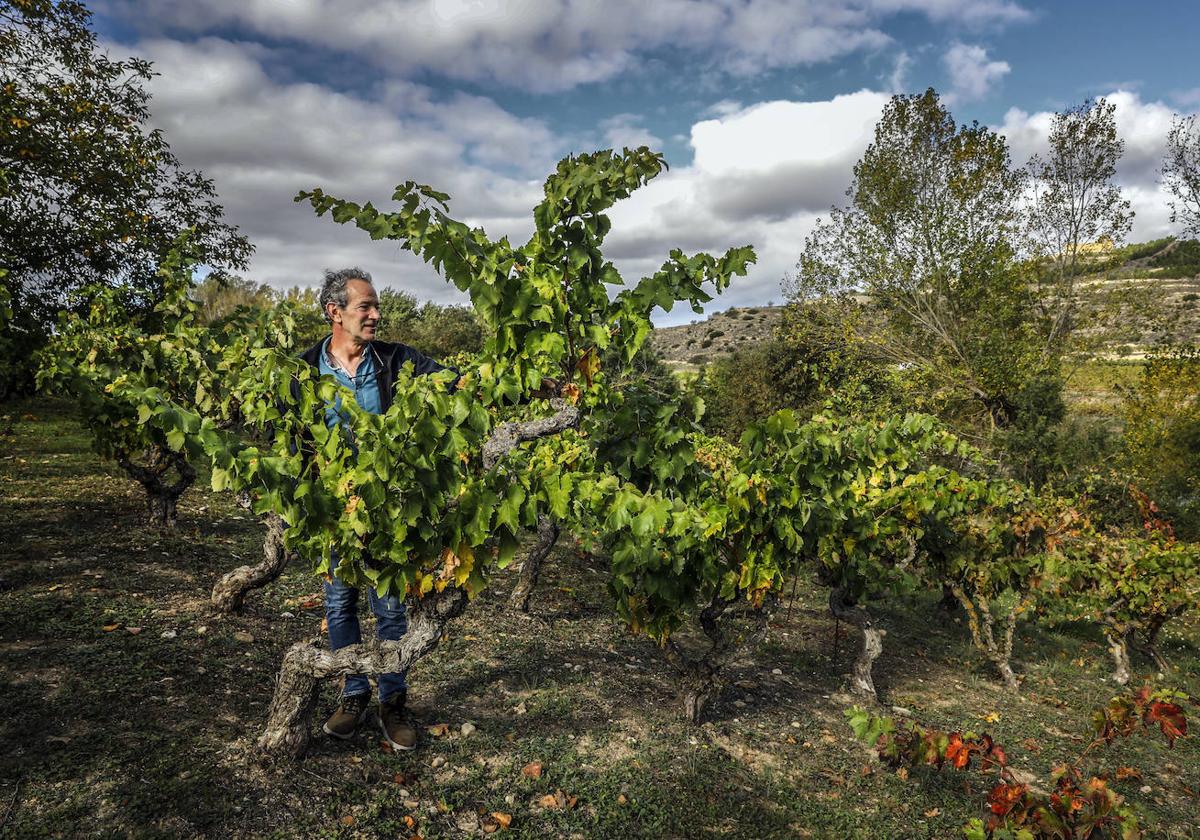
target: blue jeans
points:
(391, 623)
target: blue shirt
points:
(364, 384)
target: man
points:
(368, 368)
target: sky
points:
(761, 108)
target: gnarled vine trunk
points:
(162, 495)
(983, 632)
(306, 663)
(229, 593)
(1149, 647)
(1119, 651)
(531, 566)
(844, 609)
(701, 672)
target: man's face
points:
(360, 317)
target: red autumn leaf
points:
(1170, 719)
(958, 753)
(1003, 797)
(995, 756)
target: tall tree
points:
(1181, 173)
(1074, 203)
(930, 238)
(91, 193)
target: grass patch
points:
(111, 733)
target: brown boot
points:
(348, 715)
(397, 724)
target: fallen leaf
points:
(108, 628)
(621, 800)
(348, 819)
(409, 821)
(133, 631)
(504, 819)
(992, 717)
(1128, 773)
(933, 812)
(1031, 745)
(903, 773)
(439, 730)
(243, 637)
(533, 770)
(548, 801)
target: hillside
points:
(1157, 282)
(737, 328)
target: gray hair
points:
(333, 290)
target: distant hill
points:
(1166, 272)
(738, 328)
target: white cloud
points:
(972, 73)
(970, 12)
(263, 141)
(897, 80)
(762, 176)
(1143, 126)
(551, 45)
(626, 131)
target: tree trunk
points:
(982, 625)
(695, 700)
(1007, 674)
(702, 672)
(1120, 655)
(229, 595)
(948, 606)
(531, 566)
(861, 681)
(162, 497)
(305, 663)
(1150, 646)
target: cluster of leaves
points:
(1132, 584)
(1161, 414)
(406, 499)
(1074, 809)
(98, 357)
(90, 194)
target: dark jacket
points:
(389, 358)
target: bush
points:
(804, 369)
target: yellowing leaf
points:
(589, 365)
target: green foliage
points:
(436, 330)
(814, 362)
(931, 237)
(98, 358)
(91, 194)
(1162, 434)
(1131, 583)
(404, 498)
(1075, 204)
